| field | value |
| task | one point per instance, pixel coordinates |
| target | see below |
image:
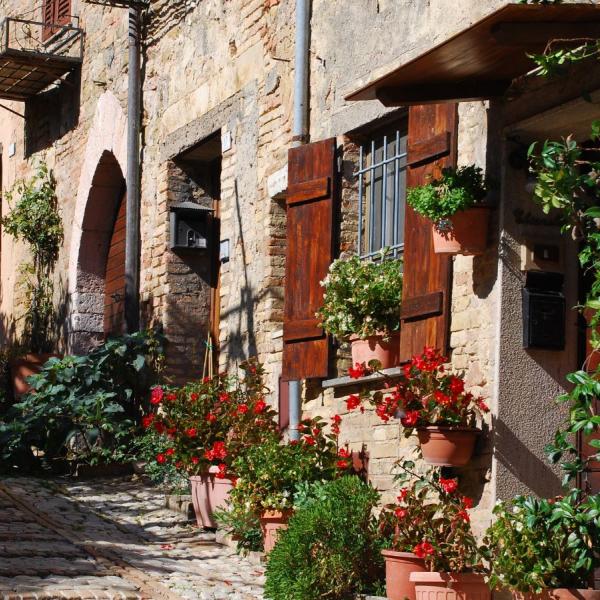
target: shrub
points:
(456, 190)
(330, 547)
(362, 297)
(84, 407)
(536, 544)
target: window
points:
(55, 12)
(382, 193)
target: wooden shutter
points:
(114, 280)
(311, 206)
(63, 12)
(427, 276)
(54, 12)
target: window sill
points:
(340, 382)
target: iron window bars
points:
(382, 195)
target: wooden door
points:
(114, 279)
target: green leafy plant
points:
(84, 408)
(456, 190)
(34, 218)
(431, 520)
(567, 180)
(330, 549)
(536, 544)
(213, 421)
(362, 298)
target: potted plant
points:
(431, 550)
(454, 203)
(268, 476)
(546, 548)
(432, 402)
(212, 422)
(362, 306)
(34, 218)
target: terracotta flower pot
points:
(209, 493)
(376, 348)
(450, 586)
(271, 523)
(23, 367)
(398, 568)
(468, 234)
(447, 446)
(560, 594)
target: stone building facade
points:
(217, 96)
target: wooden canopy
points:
(482, 61)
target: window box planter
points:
(375, 347)
(467, 235)
(398, 568)
(209, 493)
(447, 446)
(272, 522)
(450, 586)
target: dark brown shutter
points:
(55, 12)
(63, 12)
(311, 206)
(427, 276)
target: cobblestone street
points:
(110, 539)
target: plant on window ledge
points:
(361, 304)
(454, 204)
(35, 220)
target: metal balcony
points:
(34, 55)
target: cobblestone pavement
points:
(110, 538)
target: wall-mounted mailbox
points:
(543, 311)
(190, 226)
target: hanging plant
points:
(34, 219)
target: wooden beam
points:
(536, 34)
(454, 91)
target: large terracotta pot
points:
(375, 348)
(398, 568)
(272, 522)
(560, 594)
(209, 493)
(450, 586)
(23, 367)
(447, 446)
(468, 234)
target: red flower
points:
(336, 419)
(194, 396)
(195, 460)
(464, 515)
(449, 485)
(357, 371)
(157, 395)
(423, 549)
(260, 406)
(161, 459)
(159, 427)
(352, 402)
(316, 431)
(381, 412)
(178, 464)
(222, 472)
(224, 397)
(242, 409)
(206, 380)
(441, 398)
(344, 453)
(211, 418)
(342, 464)
(457, 385)
(482, 405)
(191, 432)
(147, 421)
(410, 418)
(400, 512)
(403, 494)
(170, 452)
(467, 502)
(171, 397)
(309, 439)
(407, 369)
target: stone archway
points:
(101, 187)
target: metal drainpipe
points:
(132, 236)
(299, 137)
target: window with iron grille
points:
(382, 193)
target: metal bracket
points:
(121, 3)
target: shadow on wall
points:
(52, 114)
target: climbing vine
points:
(34, 218)
(568, 179)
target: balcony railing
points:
(34, 55)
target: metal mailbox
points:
(190, 226)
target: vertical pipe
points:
(299, 137)
(132, 236)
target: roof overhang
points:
(482, 61)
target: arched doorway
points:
(99, 289)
